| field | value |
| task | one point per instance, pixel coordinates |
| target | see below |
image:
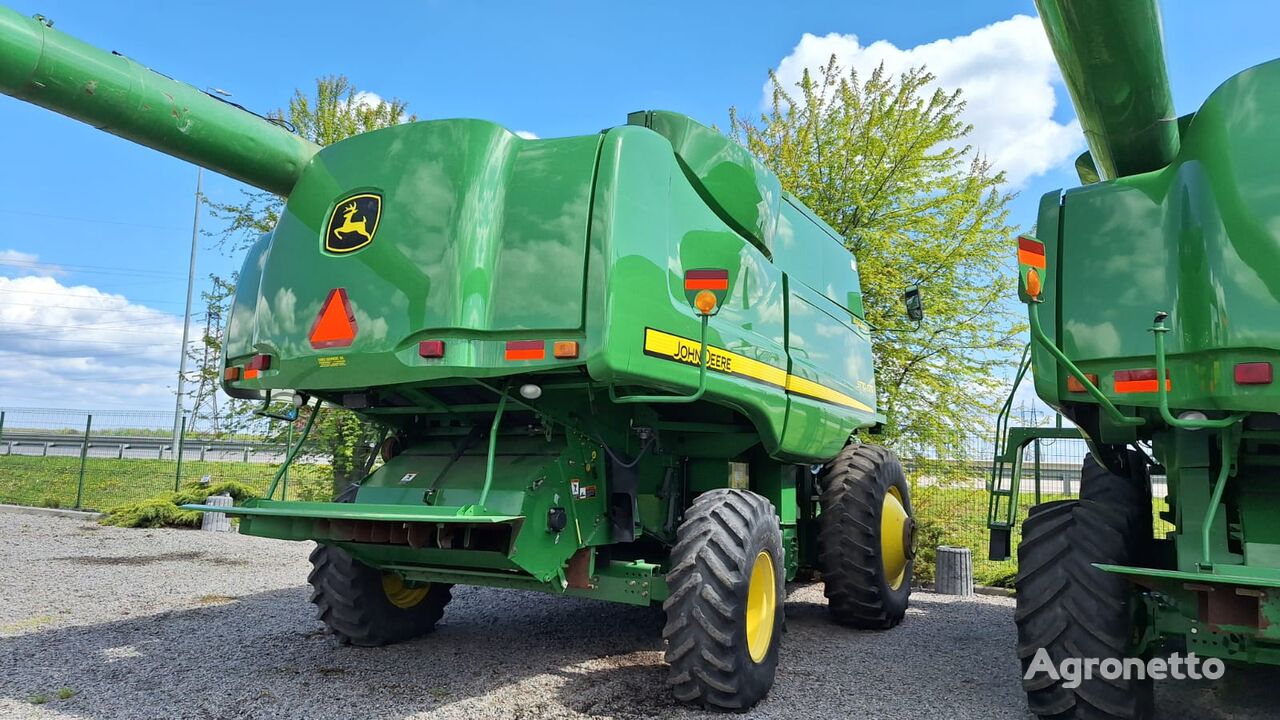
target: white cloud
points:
(526, 135)
(367, 99)
(75, 346)
(1006, 72)
(16, 262)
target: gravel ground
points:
(167, 623)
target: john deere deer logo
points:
(353, 223)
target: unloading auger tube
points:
(49, 68)
(1112, 58)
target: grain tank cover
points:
(742, 191)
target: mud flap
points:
(622, 501)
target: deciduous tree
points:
(883, 159)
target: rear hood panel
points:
(481, 238)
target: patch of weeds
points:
(439, 693)
(215, 599)
(66, 693)
(38, 699)
(164, 511)
(31, 623)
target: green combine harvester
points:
(1153, 292)
(624, 365)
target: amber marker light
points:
(565, 349)
(1034, 286)
(1075, 386)
(705, 301)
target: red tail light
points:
(431, 348)
(1253, 373)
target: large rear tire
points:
(866, 537)
(1066, 608)
(367, 607)
(724, 611)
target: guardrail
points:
(47, 444)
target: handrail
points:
(1162, 392)
(293, 452)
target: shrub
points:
(164, 511)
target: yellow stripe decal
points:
(674, 348)
(801, 386)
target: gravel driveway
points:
(169, 623)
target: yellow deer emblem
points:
(349, 225)
(353, 223)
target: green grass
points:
(108, 482)
(958, 517)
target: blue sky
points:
(95, 216)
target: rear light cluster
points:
(1140, 381)
(515, 349)
(257, 365)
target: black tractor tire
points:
(362, 606)
(854, 486)
(1130, 493)
(718, 545)
(1073, 610)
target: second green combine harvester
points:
(624, 365)
(1153, 293)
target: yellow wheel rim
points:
(762, 605)
(401, 595)
(896, 538)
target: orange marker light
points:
(1034, 286)
(1074, 385)
(565, 349)
(231, 374)
(705, 301)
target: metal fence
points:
(74, 459)
(96, 460)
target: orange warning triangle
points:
(335, 325)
